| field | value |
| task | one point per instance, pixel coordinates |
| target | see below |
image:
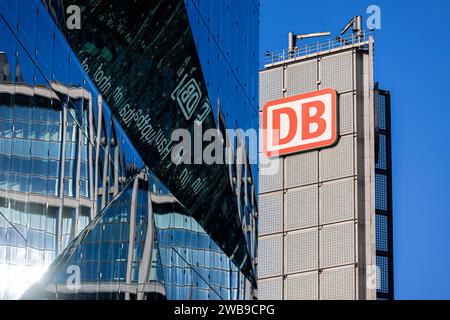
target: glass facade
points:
(112, 255)
(85, 123)
(226, 34)
(157, 79)
(41, 207)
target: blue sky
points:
(413, 62)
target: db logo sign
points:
(300, 123)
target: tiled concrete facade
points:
(317, 212)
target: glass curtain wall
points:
(71, 186)
(144, 245)
(52, 139)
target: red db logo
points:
(300, 123)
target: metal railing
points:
(309, 49)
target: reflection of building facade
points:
(77, 161)
(172, 258)
(40, 214)
(47, 180)
(169, 80)
(319, 213)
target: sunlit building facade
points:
(90, 195)
(123, 256)
(49, 160)
(325, 229)
(34, 197)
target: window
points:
(5, 112)
(54, 132)
(55, 150)
(22, 112)
(5, 129)
(69, 188)
(68, 226)
(40, 149)
(84, 218)
(39, 185)
(5, 146)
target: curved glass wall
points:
(67, 166)
(157, 75)
(56, 150)
(144, 245)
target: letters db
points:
(300, 123)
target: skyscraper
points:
(320, 219)
(120, 86)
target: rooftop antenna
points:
(356, 24)
(293, 39)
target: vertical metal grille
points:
(337, 201)
(337, 162)
(382, 152)
(335, 72)
(270, 86)
(301, 208)
(271, 177)
(270, 256)
(271, 213)
(301, 78)
(382, 112)
(383, 187)
(302, 251)
(383, 264)
(346, 110)
(337, 245)
(301, 169)
(338, 284)
(381, 192)
(271, 289)
(309, 284)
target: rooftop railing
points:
(340, 42)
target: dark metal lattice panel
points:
(383, 187)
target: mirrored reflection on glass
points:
(51, 159)
(73, 198)
(144, 245)
(157, 79)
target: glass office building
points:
(52, 171)
(123, 256)
(88, 188)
